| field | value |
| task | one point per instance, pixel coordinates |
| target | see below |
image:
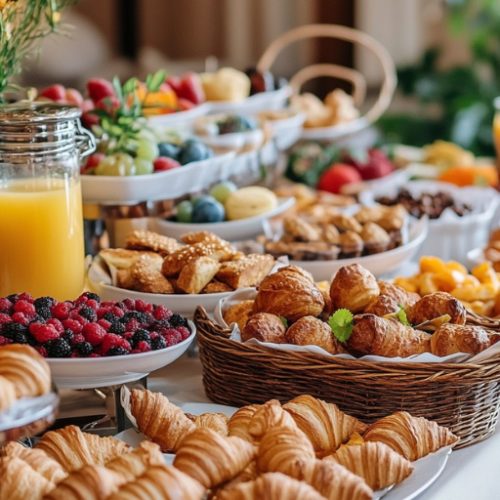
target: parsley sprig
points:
(341, 323)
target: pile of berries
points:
(88, 327)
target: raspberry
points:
(45, 333)
(59, 349)
(117, 351)
(61, 310)
(84, 349)
(34, 327)
(93, 304)
(95, 355)
(73, 325)
(26, 297)
(161, 312)
(4, 318)
(158, 343)
(142, 306)
(107, 304)
(75, 354)
(129, 304)
(88, 313)
(105, 324)
(102, 311)
(114, 341)
(78, 338)
(143, 346)
(56, 324)
(154, 335)
(173, 333)
(42, 351)
(25, 307)
(5, 341)
(83, 321)
(19, 317)
(117, 311)
(10, 329)
(132, 325)
(94, 333)
(117, 328)
(128, 335)
(82, 299)
(5, 306)
(178, 320)
(185, 333)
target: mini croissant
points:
(239, 422)
(411, 437)
(449, 339)
(434, 305)
(215, 421)
(269, 416)
(7, 393)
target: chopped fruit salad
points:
(87, 327)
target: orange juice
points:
(41, 238)
(496, 134)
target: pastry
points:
(351, 245)
(328, 309)
(345, 223)
(411, 437)
(375, 239)
(319, 250)
(147, 240)
(312, 331)
(239, 313)
(369, 214)
(224, 457)
(382, 306)
(199, 237)
(226, 84)
(216, 287)
(239, 422)
(290, 294)
(449, 339)
(250, 473)
(376, 463)
(269, 416)
(246, 272)
(197, 274)
(300, 230)
(7, 393)
(353, 288)
(398, 294)
(214, 421)
(144, 276)
(323, 423)
(122, 258)
(250, 202)
(160, 420)
(264, 327)
(386, 337)
(435, 305)
(331, 234)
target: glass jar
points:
(41, 222)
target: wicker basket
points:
(463, 397)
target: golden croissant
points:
(411, 437)
(215, 421)
(37, 460)
(269, 416)
(7, 393)
(239, 422)
(160, 420)
(449, 339)
(324, 424)
(161, 483)
(18, 481)
(26, 369)
(212, 459)
(435, 305)
(376, 463)
(271, 486)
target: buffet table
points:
(471, 473)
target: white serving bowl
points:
(181, 118)
(378, 264)
(236, 230)
(91, 373)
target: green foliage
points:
(341, 323)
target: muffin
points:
(376, 240)
(351, 245)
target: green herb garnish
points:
(284, 321)
(401, 315)
(341, 323)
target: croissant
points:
(269, 416)
(239, 422)
(411, 437)
(106, 448)
(37, 459)
(434, 305)
(134, 464)
(212, 459)
(250, 473)
(18, 481)
(376, 463)
(271, 486)
(386, 337)
(215, 421)
(324, 424)
(398, 293)
(26, 369)
(91, 482)
(449, 339)
(312, 331)
(7, 393)
(161, 483)
(382, 305)
(160, 420)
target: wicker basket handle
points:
(343, 33)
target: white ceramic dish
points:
(378, 264)
(237, 141)
(92, 373)
(231, 230)
(181, 118)
(111, 190)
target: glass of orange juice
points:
(41, 222)
(496, 129)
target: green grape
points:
(119, 164)
(143, 166)
(184, 211)
(148, 150)
(222, 191)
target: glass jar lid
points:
(27, 112)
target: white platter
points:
(230, 230)
(181, 118)
(378, 264)
(92, 373)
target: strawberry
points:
(185, 105)
(74, 97)
(87, 105)
(372, 166)
(174, 83)
(98, 88)
(89, 120)
(191, 89)
(163, 163)
(336, 176)
(109, 104)
(54, 92)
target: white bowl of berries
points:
(91, 344)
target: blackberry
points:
(38, 319)
(130, 315)
(111, 317)
(59, 348)
(163, 323)
(22, 338)
(11, 329)
(178, 320)
(88, 313)
(13, 297)
(43, 303)
(44, 312)
(117, 351)
(84, 349)
(68, 335)
(145, 318)
(117, 328)
(139, 335)
(92, 296)
(158, 343)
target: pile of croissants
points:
(289, 308)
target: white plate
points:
(378, 264)
(91, 373)
(181, 118)
(236, 230)
(115, 190)
(237, 141)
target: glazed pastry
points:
(382, 306)
(239, 422)
(38, 460)
(435, 305)
(7, 393)
(197, 274)
(328, 309)
(376, 240)
(392, 218)
(449, 339)
(122, 258)
(353, 288)
(265, 327)
(160, 420)
(411, 437)
(212, 459)
(345, 223)
(161, 483)
(351, 245)
(216, 287)
(246, 272)
(324, 424)
(271, 486)
(300, 230)
(192, 238)
(215, 421)
(18, 481)
(312, 331)
(376, 463)
(144, 276)
(147, 240)
(239, 313)
(290, 294)
(26, 369)
(398, 294)
(386, 337)
(269, 416)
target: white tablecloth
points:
(471, 474)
